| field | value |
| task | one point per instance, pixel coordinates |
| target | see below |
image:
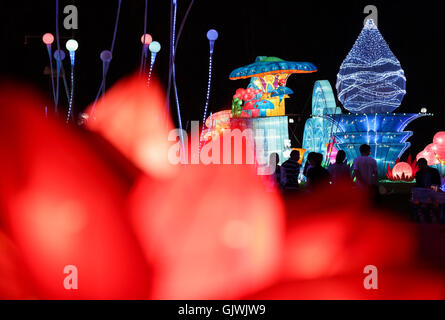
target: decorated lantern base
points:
(383, 132)
(270, 135)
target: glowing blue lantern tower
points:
(371, 85)
(318, 130)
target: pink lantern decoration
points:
(402, 170)
(146, 39)
(48, 38)
(332, 151)
(429, 156)
(439, 145)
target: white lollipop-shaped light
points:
(154, 47)
(72, 45)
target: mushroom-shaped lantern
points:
(268, 74)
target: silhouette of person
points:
(290, 170)
(365, 168)
(427, 176)
(307, 165)
(340, 171)
(317, 175)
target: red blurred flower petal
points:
(62, 205)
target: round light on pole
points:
(146, 39)
(212, 35)
(59, 55)
(48, 38)
(106, 56)
(72, 45)
(423, 110)
(155, 47)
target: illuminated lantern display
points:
(439, 146)
(269, 74)
(217, 123)
(332, 152)
(429, 156)
(371, 79)
(402, 170)
(434, 153)
(371, 84)
(271, 135)
(264, 101)
(318, 130)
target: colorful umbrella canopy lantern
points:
(269, 74)
(271, 66)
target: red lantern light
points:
(439, 145)
(402, 170)
(48, 38)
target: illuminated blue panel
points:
(378, 122)
(371, 79)
(373, 137)
(317, 133)
(323, 100)
(270, 132)
(318, 130)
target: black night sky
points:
(314, 31)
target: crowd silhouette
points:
(291, 177)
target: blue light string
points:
(70, 105)
(116, 25)
(178, 108)
(57, 81)
(52, 74)
(375, 135)
(152, 62)
(144, 46)
(65, 83)
(57, 41)
(207, 99)
(144, 62)
(170, 66)
(102, 84)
